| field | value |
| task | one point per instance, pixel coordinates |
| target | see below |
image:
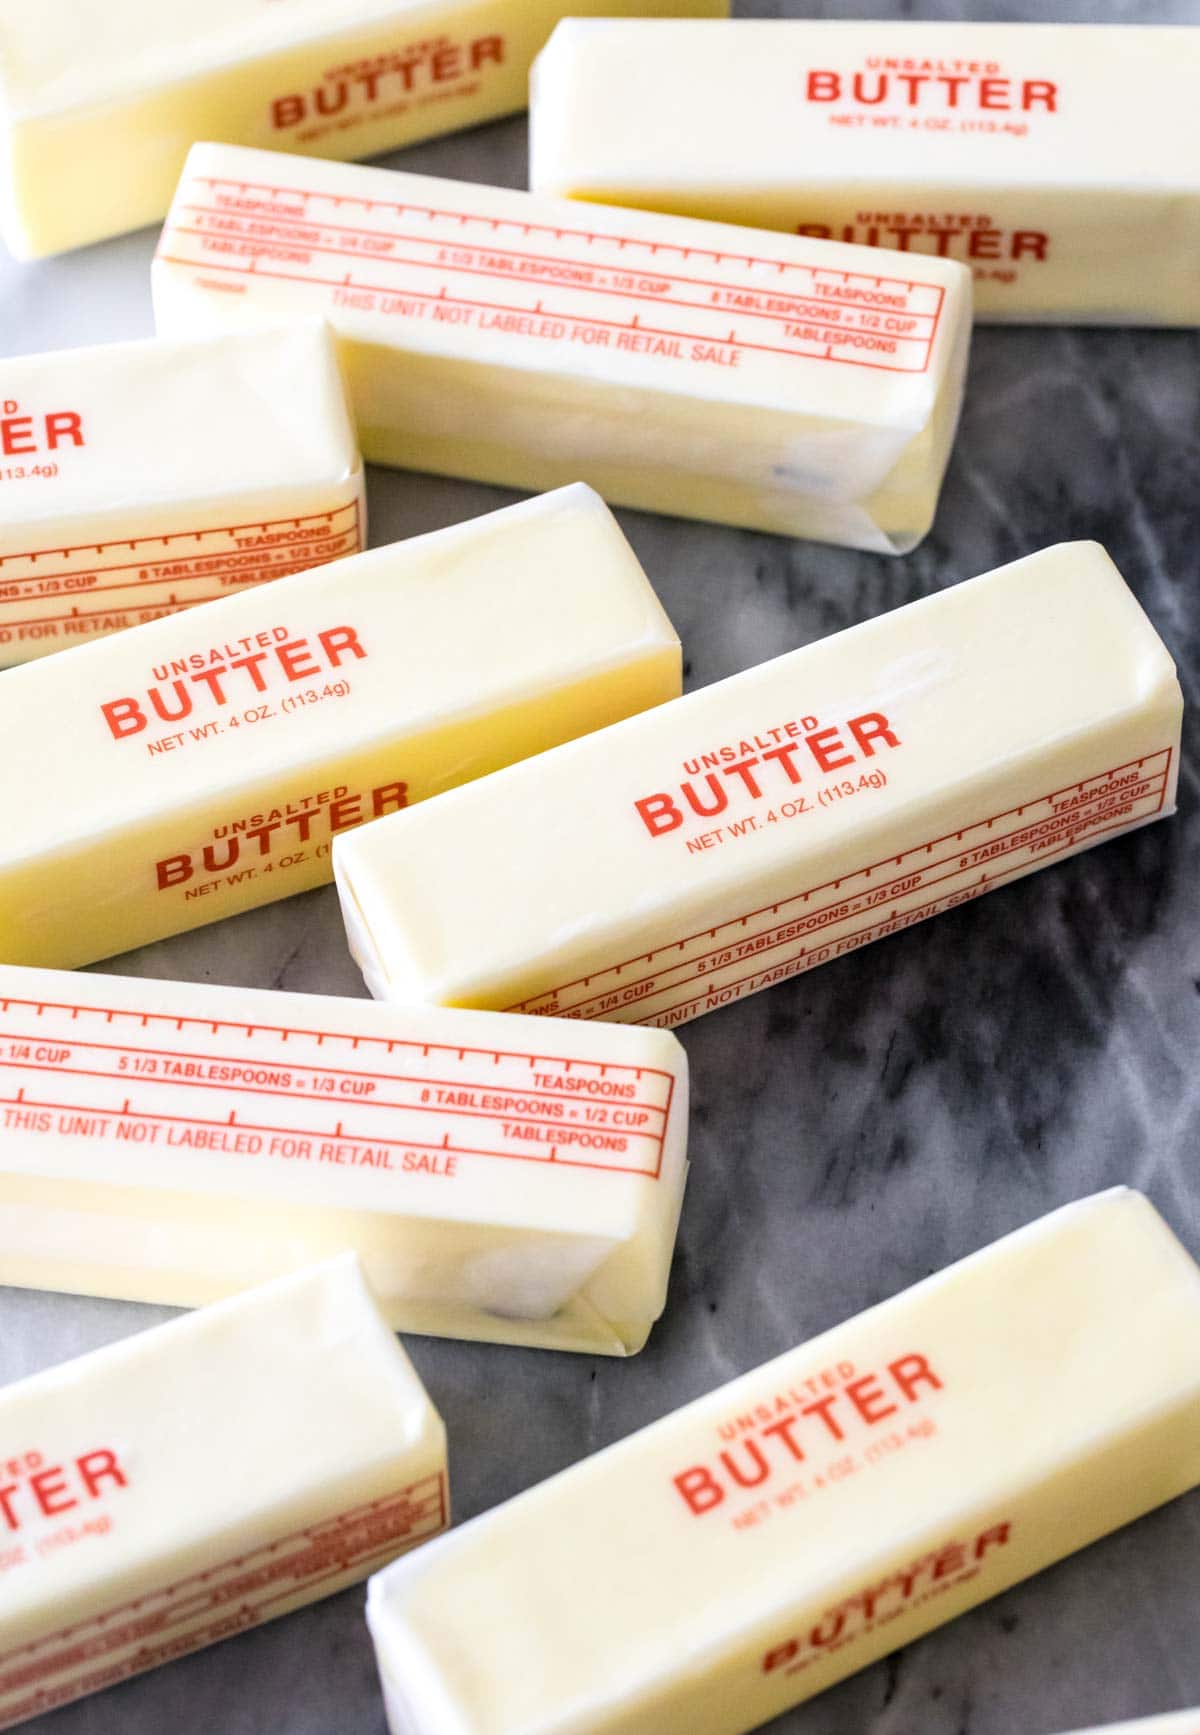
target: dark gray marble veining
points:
(858, 1127)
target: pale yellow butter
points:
(515, 1179)
(140, 478)
(1060, 162)
(100, 99)
(677, 366)
(200, 765)
(787, 816)
(794, 1526)
(202, 1477)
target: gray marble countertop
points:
(856, 1128)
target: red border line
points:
(828, 915)
(99, 1676)
(813, 271)
(94, 1675)
(135, 586)
(552, 1160)
(416, 1108)
(444, 300)
(88, 1654)
(887, 861)
(395, 1078)
(179, 1020)
(313, 1532)
(921, 912)
(559, 233)
(175, 535)
(617, 293)
(172, 604)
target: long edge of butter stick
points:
(787, 816)
(201, 765)
(205, 1476)
(515, 1180)
(91, 143)
(1056, 161)
(144, 478)
(696, 369)
(769, 1539)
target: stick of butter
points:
(512, 1179)
(786, 816)
(677, 366)
(141, 478)
(794, 1526)
(123, 1544)
(99, 103)
(201, 765)
(1038, 154)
